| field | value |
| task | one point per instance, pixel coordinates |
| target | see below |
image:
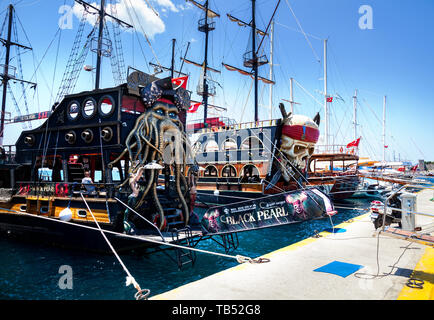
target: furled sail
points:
(199, 65)
(245, 24)
(211, 14)
(246, 73)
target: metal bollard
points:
(408, 206)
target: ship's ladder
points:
(183, 238)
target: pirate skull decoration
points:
(299, 136)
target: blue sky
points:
(395, 59)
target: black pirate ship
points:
(96, 161)
(119, 158)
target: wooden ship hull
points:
(237, 162)
(43, 173)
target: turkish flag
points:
(355, 143)
(330, 99)
(180, 82)
(193, 108)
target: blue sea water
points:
(30, 271)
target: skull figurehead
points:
(299, 136)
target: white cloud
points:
(135, 12)
(167, 4)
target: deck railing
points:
(336, 148)
(7, 154)
(228, 124)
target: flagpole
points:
(205, 65)
(271, 69)
(384, 129)
(291, 94)
(355, 114)
(326, 122)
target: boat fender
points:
(65, 214)
(341, 149)
(216, 192)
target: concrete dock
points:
(387, 265)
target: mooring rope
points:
(141, 294)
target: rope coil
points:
(415, 283)
(243, 259)
(142, 294)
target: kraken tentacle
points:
(186, 211)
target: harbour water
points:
(30, 271)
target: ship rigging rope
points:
(285, 158)
(141, 28)
(103, 168)
(141, 293)
(304, 33)
(301, 174)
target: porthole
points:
(82, 213)
(30, 140)
(73, 110)
(106, 106)
(107, 134)
(23, 208)
(70, 137)
(87, 135)
(44, 209)
(89, 108)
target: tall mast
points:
(205, 66)
(326, 122)
(99, 51)
(172, 67)
(384, 129)
(205, 26)
(255, 60)
(271, 69)
(291, 94)
(5, 76)
(355, 114)
(251, 59)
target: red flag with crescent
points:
(355, 143)
(180, 82)
(193, 108)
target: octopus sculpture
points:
(158, 141)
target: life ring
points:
(341, 150)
